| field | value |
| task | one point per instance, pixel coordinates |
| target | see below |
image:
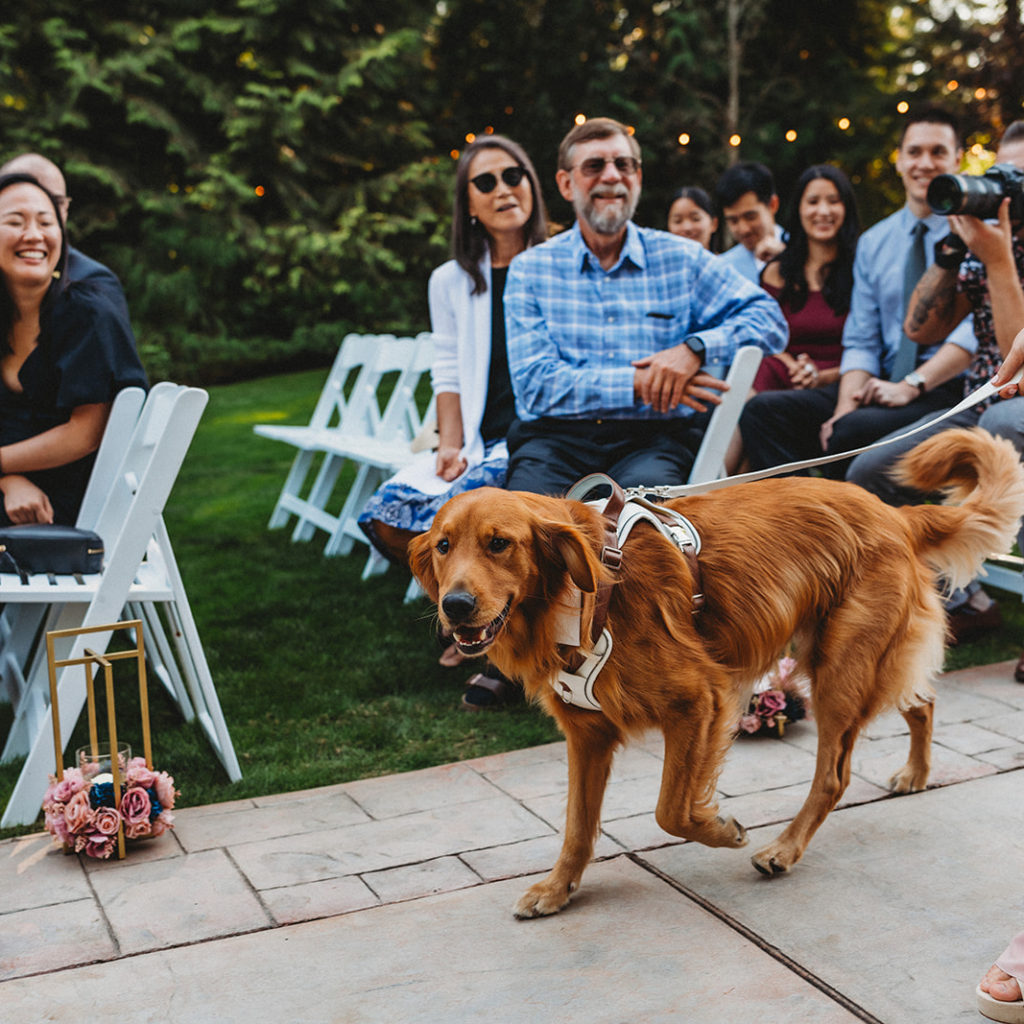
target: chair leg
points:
(319, 494)
(292, 486)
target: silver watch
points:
(914, 379)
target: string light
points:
(903, 106)
(454, 154)
(470, 137)
(580, 118)
(979, 93)
(844, 123)
(735, 140)
(952, 85)
(791, 135)
(259, 190)
(684, 139)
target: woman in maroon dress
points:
(812, 280)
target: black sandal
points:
(486, 693)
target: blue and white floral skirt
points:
(406, 508)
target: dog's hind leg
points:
(591, 747)
(696, 740)
(831, 777)
(913, 776)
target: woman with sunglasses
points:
(498, 212)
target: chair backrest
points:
(391, 356)
(710, 461)
(332, 407)
(116, 437)
(353, 404)
(139, 489)
(411, 420)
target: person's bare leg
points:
(395, 539)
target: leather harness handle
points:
(611, 553)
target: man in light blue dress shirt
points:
(608, 326)
(865, 404)
(746, 195)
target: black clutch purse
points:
(49, 548)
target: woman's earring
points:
(473, 222)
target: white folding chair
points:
(386, 452)
(1006, 572)
(20, 623)
(130, 523)
(336, 420)
(710, 461)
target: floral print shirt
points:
(973, 282)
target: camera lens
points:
(977, 196)
(946, 193)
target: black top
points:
(500, 408)
(85, 354)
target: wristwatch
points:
(915, 380)
(696, 346)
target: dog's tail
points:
(981, 481)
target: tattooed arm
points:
(992, 243)
(936, 307)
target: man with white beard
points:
(608, 326)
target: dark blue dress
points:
(85, 355)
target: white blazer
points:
(461, 326)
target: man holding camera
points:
(886, 382)
(978, 269)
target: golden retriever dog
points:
(850, 581)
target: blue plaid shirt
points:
(573, 328)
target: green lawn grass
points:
(322, 677)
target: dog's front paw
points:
(733, 833)
(543, 899)
(772, 861)
(909, 780)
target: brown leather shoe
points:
(967, 623)
(1018, 672)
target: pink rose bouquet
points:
(80, 811)
(777, 699)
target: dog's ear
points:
(566, 548)
(421, 562)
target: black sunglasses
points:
(595, 165)
(487, 182)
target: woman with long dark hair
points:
(812, 279)
(691, 214)
(498, 212)
(66, 349)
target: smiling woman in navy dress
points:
(66, 349)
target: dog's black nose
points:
(458, 605)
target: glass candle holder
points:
(97, 760)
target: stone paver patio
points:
(389, 898)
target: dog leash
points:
(984, 391)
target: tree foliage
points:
(267, 174)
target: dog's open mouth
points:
(472, 640)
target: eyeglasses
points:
(487, 182)
(595, 165)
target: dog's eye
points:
(442, 546)
(498, 544)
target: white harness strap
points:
(577, 688)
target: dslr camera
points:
(979, 195)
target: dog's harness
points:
(575, 682)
